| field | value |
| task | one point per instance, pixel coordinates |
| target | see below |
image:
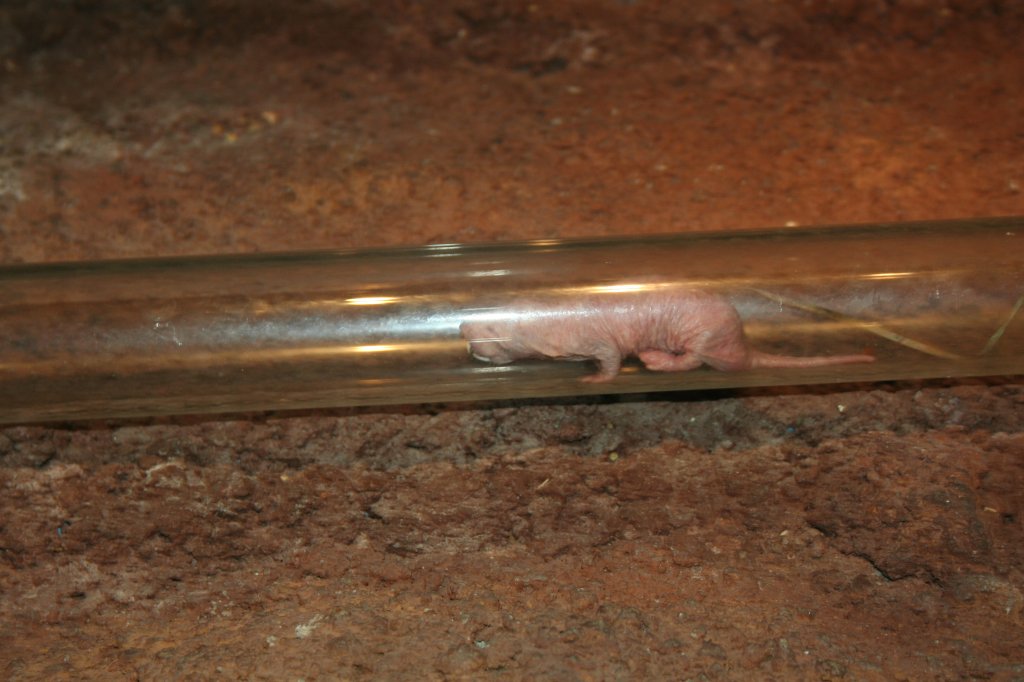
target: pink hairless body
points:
(669, 330)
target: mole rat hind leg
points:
(663, 361)
(609, 361)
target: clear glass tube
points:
(148, 337)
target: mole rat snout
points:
(484, 343)
(489, 351)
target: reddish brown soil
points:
(860, 532)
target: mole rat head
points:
(486, 342)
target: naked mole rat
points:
(669, 330)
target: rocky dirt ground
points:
(859, 531)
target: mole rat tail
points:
(759, 359)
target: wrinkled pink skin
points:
(670, 331)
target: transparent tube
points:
(135, 338)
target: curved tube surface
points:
(468, 322)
